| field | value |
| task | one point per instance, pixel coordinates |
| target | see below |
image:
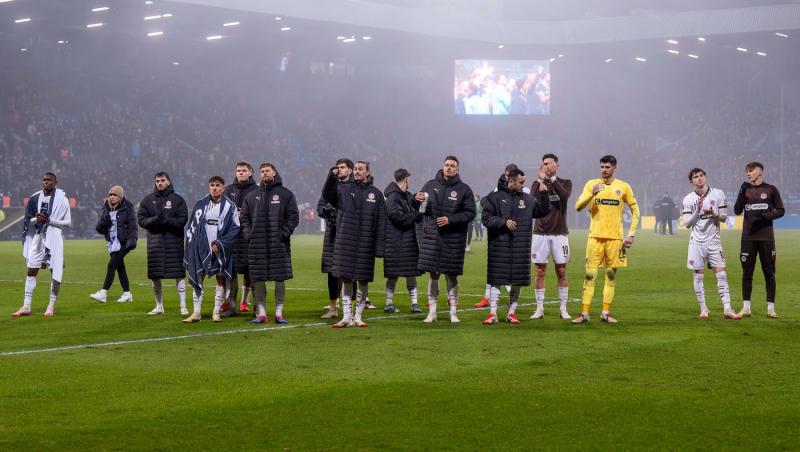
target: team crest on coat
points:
(453, 193)
(521, 203)
(168, 204)
(276, 199)
(763, 196)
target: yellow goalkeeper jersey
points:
(606, 208)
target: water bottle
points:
(424, 204)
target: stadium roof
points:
(550, 22)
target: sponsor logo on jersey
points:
(757, 206)
(607, 202)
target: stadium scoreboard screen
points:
(502, 87)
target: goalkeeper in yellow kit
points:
(606, 247)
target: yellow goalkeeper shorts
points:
(606, 252)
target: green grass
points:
(660, 379)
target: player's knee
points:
(33, 271)
(541, 271)
(591, 275)
(611, 275)
(561, 271)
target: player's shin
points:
(30, 286)
(723, 289)
(609, 287)
(700, 291)
(588, 288)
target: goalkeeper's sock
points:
(746, 305)
(588, 288)
(609, 287)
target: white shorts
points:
(545, 245)
(702, 254)
(38, 256)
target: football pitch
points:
(109, 377)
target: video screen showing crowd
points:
(245, 229)
(502, 87)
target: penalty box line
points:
(226, 332)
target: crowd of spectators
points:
(101, 134)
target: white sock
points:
(412, 291)
(245, 293)
(360, 305)
(604, 312)
(452, 294)
(487, 292)
(158, 293)
(198, 301)
(347, 308)
(219, 298)
(700, 291)
(539, 293)
(30, 286)
(563, 296)
(514, 296)
(261, 308)
(746, 305)
(494, 296)
(53, 295)
(390, 285)
(181, 284)
(433, 294)
(770, 306)
(723, 290)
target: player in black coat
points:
(163, 213)
(360, 235)
(402, 249)
(328, 212)
(269, 217)
(449, 210)
(508, 215)
(117, 223)
(243, 185)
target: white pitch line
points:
(221, 333)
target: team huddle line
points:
(246, 228)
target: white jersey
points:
(704, 227)
(212, 215)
